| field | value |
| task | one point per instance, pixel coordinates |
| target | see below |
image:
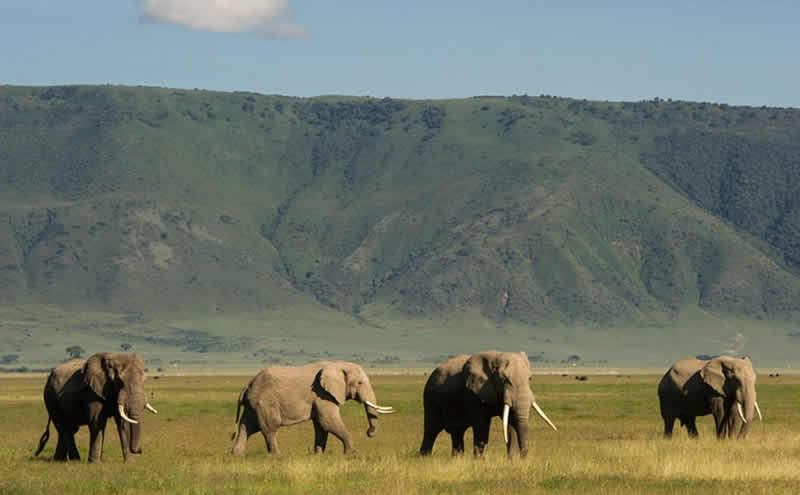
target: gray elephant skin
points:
(723, 386)
(89, 392)
(285, 395)
(468, 390)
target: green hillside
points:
(198, 222)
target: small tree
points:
(9, 359)
(75, 351)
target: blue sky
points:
(722, 51)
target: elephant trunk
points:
(372, 419)
(370, 410)
(131, 402)
(749, 406)
(521, 425)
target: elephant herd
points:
(466, 391)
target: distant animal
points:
(89, 392)
(469, 390)
(285, 395)
(723, 386)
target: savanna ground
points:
(609, 441)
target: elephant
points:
(721, 386)
(88, 392)
(468, 390)
(286, 395)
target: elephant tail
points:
(239, 404)
(44, 438)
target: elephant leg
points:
(248, 425)
(337, 427)
(330, 420)
(480, 436)
(271, 441)
(96, 438)
(72, 448)
(63, 430)
(320, 438)
(457, 440)
(433, 426)
(268, 419)
(720, 413)
(124, 441)
(513, 439)
(669, 425)
(691, 425)
(732, 422)
(61, 449)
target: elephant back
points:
(65, 373)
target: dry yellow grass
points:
(609, 441)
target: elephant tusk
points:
(506, 408)
(760, 418)
(741, 414)
(125, 416)
(543, 415)
(380, 409)
(150, 408)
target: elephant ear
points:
(96, 374)
(477, 376)
(714, 376)
(332, 378)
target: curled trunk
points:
(371, 412)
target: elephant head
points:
(502, 378)
(118, 379)
(735, 380)
(345, 381)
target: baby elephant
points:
(285, 395)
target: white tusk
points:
(125, 416)
(384, 410)
(506, 408)
(150, 408)
(741, 414)
(760, 418)
(543, 415)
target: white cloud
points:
(268, 18)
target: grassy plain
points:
(608, 442)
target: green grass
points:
(608, 442)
